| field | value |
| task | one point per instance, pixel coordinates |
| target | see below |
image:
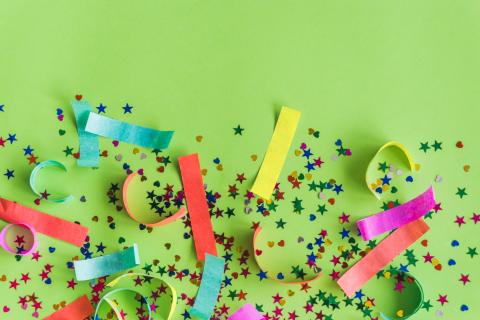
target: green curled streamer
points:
(33, 178)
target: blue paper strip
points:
(89, 149)
(106, 265)
(33, 180)
(209, 287)
(126, 132)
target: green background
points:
(364, 71)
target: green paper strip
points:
(33, 179)
(88, 142)
(209, 287)
(106, 265)
(112, 304)
(417, 308)
(126, 132)
(115, 282)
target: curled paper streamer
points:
(388, 220)
(79, 309)
(247, 312)
(33, 179)
(209, 287)
(381, 255)
(113, 305)
(126, 132)
(197, 206)
(257, 252)
(401, 147)
(44, 223)
(5, 246)
(115, 282)
(89, 146)
(276, 153)
(417, 308)
(180, 213)
(106, 265)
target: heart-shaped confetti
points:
(6, 309)
(466, 168)
(253, 157)
(168, 245)
(118, 157)
(199, 138)
(51, 249)
(281, 243)
(78, 97)
(459, 144)
(121, 240)
(143, 156)
(270, 244)
(61, 132)
(3, 278)
(115, 143)
(136, 150)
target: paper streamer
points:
(107, 264)
(180, 213)
(5, 246)
(411, 163)
(256, 254)
(33, 179)
(115, 282)
(209, 287)
(89, 146)
(388, 220)
(79, 309)
(276, 153)
(381, 255)
(247, 312)
(44, 223)
(126, 132)
(197, 206)
(417, 308)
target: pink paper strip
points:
(381, 255)
(4, 245)
(388, 220)
(44, 223)
(247, 312)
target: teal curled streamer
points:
(209, 287)
(33, 180)
(126, 132)
(89, 146)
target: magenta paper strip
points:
(388, 220)
(247, 312)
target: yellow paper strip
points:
(276, 153)
(411, 163)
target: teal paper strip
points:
(106, 265)
(89, 148)
(33, 180)
(126, 132)
(209, 287)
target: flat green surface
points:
(363, 71)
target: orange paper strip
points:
(197, 206)
(44, 223)
(79, 309)
(381, 255)
(180, 213)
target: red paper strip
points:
(381, 255)
(44, 223)
(79, 309)
(197, 206)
